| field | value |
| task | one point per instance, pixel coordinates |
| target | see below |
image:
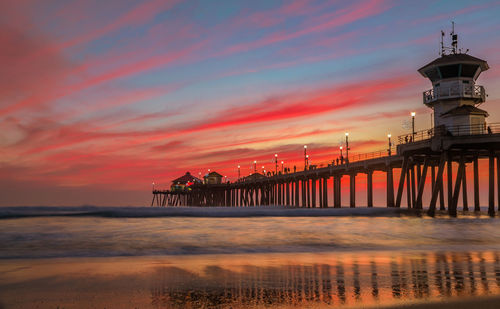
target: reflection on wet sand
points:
(346, 280)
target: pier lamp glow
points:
(255, 166)
(347, 146)
(390, 144)
(276, 163)
(413, 125)
(305, 157)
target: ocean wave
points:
(216, 212)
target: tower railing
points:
(459, 90)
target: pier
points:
(459, 139)
(431, 153)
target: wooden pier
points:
(429, 154)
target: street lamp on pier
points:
(413, 126)
(282, 172)
(390, 144)
(347, 146)
(238, 172)
(255, 166)
(307, 161)
(305, 157)
(276, 163)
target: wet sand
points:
(283, 280)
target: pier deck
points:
(440, 158)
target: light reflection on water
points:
(332, 280)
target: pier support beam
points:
(413, 187)
(452, 209)
(352, 191)
(408, 188)
(401, 184)
(491, 185)
(369, 188)
(476, 185)
(390, 187)
(449, 182)
(308, 187)
(421, 183)
(465, 202)
(337, 198)
(498, 181)
(287, 184)
(437, 187)
(313, 192)
(297, 202)
(303, 189)
(325, 192)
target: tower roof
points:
(465, 110)
(453, 59)
(186, 178)
(213, 174)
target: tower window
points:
(432, 74)
(468, 70)
(449, 71)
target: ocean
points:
(141, 257)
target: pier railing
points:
(355, 158)
(461, 130)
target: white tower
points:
(454, 96)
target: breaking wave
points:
(216, 212)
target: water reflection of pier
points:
(366, 280)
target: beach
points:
(378, 261)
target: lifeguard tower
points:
(455, 96)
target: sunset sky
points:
(98, 99)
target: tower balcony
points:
(457, 91)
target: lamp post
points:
(347, 146)
(413, 126)
(263, 170)
(238, 172)
(255, 166)
(276, 163)
(307, 161)
(282, 172)
(390, 144)
(305, 157)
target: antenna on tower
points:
(454, 38)
(442, 43)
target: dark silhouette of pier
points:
(431, 152)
